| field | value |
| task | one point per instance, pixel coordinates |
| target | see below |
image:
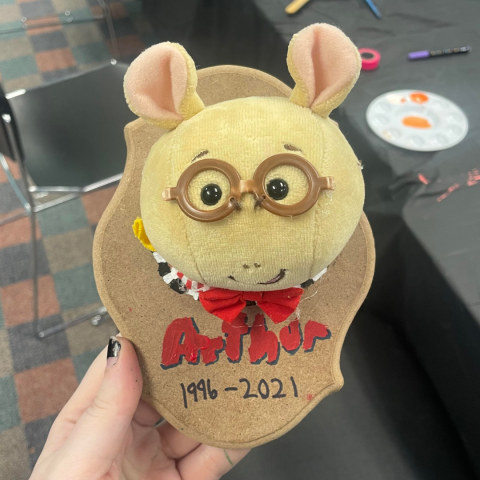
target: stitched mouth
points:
(275, 279)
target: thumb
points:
(99, 433)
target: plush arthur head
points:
(251, 194)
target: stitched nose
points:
(256, 265)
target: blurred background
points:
(411, 361)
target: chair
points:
(67, 138)
(68, 19)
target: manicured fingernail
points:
(113, 351)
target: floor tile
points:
(95, 203)
(85, 337)
(17, 232)
(6, 367)
(37, 27)
(83, 33)
(17, 67)
(28, 351)
(16, 26)
(8, 198)
(56, 75)
(9, 416)
(63, 218)
(27, 81)
(91, 52)
(96, 10)
(17, 301)
(69, 250)
(14, 464)
(15, 47)
(81, 14)
(54, 59)
(118, 10)
(62, 5)
(38, 8)
(36, 433)
(82, 362)
(49, 41)
(15, 171)
(16, 263)
(129, 46)
(43, 391)
(9, 13)
(76, 287)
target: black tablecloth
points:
(428, 269)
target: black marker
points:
(437, 53)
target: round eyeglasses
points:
(264, 196)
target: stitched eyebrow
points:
(292, 148)
(198, 155)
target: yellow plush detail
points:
(191, 103)
(244, 132)
(324, 65)
(139, 232)
(140, 86)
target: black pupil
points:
(211, 194)
(277, 189)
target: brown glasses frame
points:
(256, 186)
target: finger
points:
(146, 416)
(209, 463)
(99, 433)
(76, 406)
(174, 443)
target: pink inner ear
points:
(325, 60)
(156, 83)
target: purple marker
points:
(437, 53)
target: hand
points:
(105, 432)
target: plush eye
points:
(286, 184)
(277, 189)
(211, 194)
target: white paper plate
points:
(417, 120)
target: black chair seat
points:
(72, 130)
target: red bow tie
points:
(227, 304)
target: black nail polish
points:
(113, 351)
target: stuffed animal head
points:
(251, 194)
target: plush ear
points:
(160, 86)
(325, 65)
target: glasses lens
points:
(286, 184)
(208, 190)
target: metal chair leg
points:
(95, 317)
(111, 30)
(29, 204)
(13, 183)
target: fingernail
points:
(113, 351)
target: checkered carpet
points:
(31, 57)
(38, 376)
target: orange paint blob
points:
(419, 97)
(416, 122)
